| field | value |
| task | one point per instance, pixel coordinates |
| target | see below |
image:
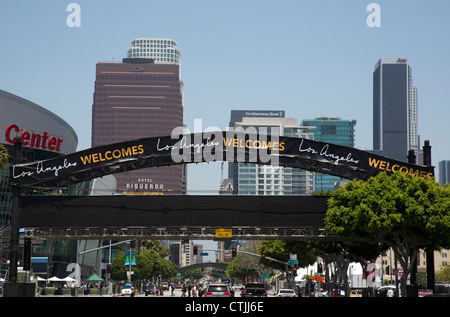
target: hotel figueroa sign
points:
(230, 146)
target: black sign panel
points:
(231, 146)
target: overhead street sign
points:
(223, 233)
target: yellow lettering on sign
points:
(386, 166)
(253, 144)
(223, 233)
(114, 154)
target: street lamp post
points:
(14, 242)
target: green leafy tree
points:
(142, 269)
(281, 249)
(3, 156)
(164, 267)
(408, 213)
(443, 275)
(247, 265)
(240, 268)
(149, 263)
(194, 274)
(342, 253)
(157, 246)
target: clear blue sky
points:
(310, 58)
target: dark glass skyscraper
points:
(394, 109)
(444, 172)
(133, 99)
(333, 130)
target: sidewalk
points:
(177, 293)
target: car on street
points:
(254, 290)
(383, 290)
(150, 290)
(127, 289)
(334, 293)
(217, 290)
(285, 292)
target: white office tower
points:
(162, 50)
(254, 179)
(414, 120)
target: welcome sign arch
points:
(215, 146)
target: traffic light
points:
(195, 250)
(233, 252)
(263, 257)
(108, 268)
(294, 271)
(319, 268)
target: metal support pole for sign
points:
(130, 265)
(413, 281)
(14, 243)
(429, 253)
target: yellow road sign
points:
(223, 233)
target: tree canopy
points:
(281, 249)
(408, 213)
(3, 156)
(149, 262)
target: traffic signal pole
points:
(264, 257)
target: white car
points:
(286, 292)
(127, 289)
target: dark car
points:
(150, 289)
(254, 290)
(217, 290)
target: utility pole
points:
(429, 253)
(412, 160)
(14, 243)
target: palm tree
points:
(3, 156)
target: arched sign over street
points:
(231, 146)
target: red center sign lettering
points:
(34, 140)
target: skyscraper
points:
(133, 99)
(237, 116)
(161, 50)
(333, 130)
(395, 117)
(444, 172)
